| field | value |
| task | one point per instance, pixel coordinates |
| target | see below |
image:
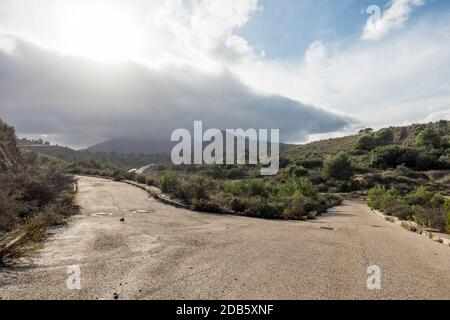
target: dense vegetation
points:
(295, 198)
(32, 198)
(426, 208)
(397, 157)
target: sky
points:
(79, 72)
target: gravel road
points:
(161, 252)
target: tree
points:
(384, 137)
(339, 167)
(365, 142)
(297, 171)
(365, 131)
(428, 138)
(386, 157)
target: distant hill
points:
(404, 136)
(132, 146)
(149, 147)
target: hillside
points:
(10, 156)
(148, 147)
(77, 161)
(400, 157)
(33, 197)
(132, 146)
(404, 136)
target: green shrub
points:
(305, 187)
(206, 206)
(238, 205)
(428, 138)
(384, 137)
(213, 171)
(397, 208)
(169, 182)
(370, 141)
(150, 182)
(365, 143)
(237, 189)
(301, 185)
(262, 208)
(310, 161)
(408, 158)
(141, 179)
(429, 161)
(300, 206)
(339, 167)
(447, 221)
(11, 208)
(379, 197)
(284, 162)
(297, 171)
(257, 188)
(420, 197)
(424, 207)
(387, 157)
(235, 173)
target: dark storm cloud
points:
(83, 102)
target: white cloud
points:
(193, 46)
(379, 24)
(82, 102)
(400, 80)
(161, 32)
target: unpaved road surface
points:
(161, 252)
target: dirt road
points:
(161, 252)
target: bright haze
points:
(80, 72)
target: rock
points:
(115, 296)
(122, 220)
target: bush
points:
(235, 173)
(196, 188)
(369, 141)
(408, 158)
(150, 182)
(262, 208)
(302, 185)
(426, 208)
(420, 197)
(383, 137)
(206, 206)
(447, 221)
(399, 209)
(10, 209)
(284, 162)
(257, 188)
(238, 205)
(379, 197)
(169, 182)
(213, 171)
(387, 157)
(300, 206)
(310, 161)
(297, 171)
(365, 143)
(428, 138)
(339, 167)
(141, 179)
(249, 188)
(429, 161)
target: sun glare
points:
(98, 32)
